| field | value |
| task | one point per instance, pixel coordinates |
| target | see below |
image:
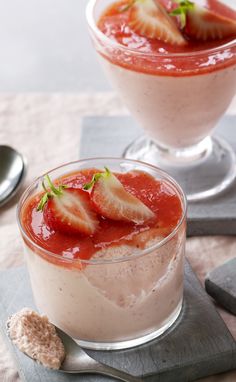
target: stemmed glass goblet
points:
(177, 98)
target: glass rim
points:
(97, 32)
(141, 253)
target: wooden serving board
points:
(199, 343)
(109, 136)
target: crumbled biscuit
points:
(35, 336)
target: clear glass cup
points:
(178, 103)
(109, 303)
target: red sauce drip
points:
(159, 196)
(115, 25)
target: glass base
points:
(134, 342)
(203, 170)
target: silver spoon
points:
(12, 172)
(78, 361)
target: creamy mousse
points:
(177, 89)
(104, 256)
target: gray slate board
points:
(109, 136)
(221, 285)
(199, 344)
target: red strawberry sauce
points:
(159, 196)
(115, 25)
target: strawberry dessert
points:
(172, 61)
(105, 251)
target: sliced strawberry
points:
(150, 19)
(112, 201)
(205, 24)
(71, 213)
(222, 9)
(68, 210)
(169, 5)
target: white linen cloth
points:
(45, 129)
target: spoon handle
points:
(100, 368)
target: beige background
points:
(45, 128)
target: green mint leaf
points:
(43, 201)
(96, 177)
(182, 19)
(184, 3)
(61, 188)
(175, 12)
(53, 191)
(107, 171)
(183, 7)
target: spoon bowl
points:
(12, 172)
(78, 361)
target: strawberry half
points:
(112, 201)
(68, 210)
(205, 24)
(150, 19)
(222, 9)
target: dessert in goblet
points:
(174, 64)
(105, 249)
